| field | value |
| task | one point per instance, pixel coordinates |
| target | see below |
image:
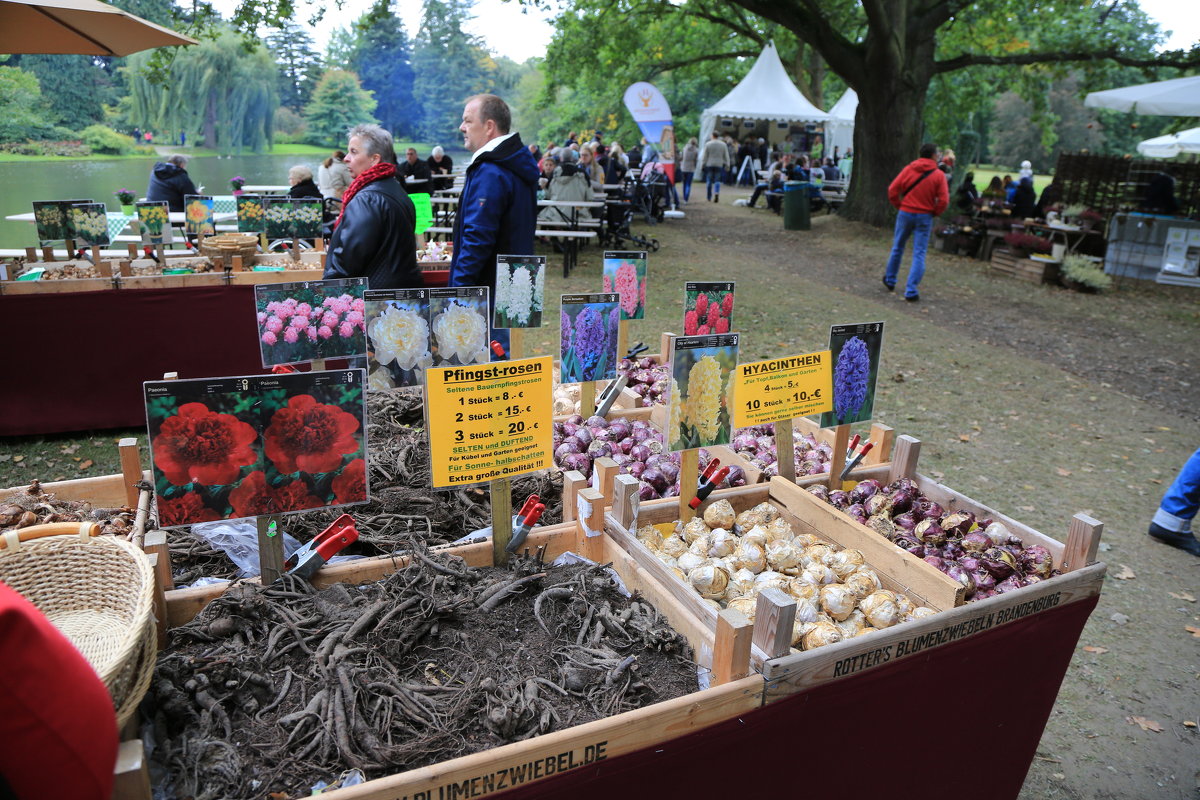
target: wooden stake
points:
(132, 250)
(604, 472)
(573, 482)
(501, 493)
(131, 777)
(70, 245)
(837, 461)
(125, 267)
(295, 248)
(774, 617)
(904, 459)
(587, 399)
(731, 653)
(884, 438)
(664, 346)
(155, 546)
(270, 549)
(785, 449)
(160, 251)
(590, 524)
(47, 254)
(318, 365)
(103, 266)
(31, 254)
(625, 501)
(516, 343)
(131, 469)
(1083, 540)
(689, 478)
(622, 338)
(239, 264)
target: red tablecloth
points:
(962, 720)
(83, 356)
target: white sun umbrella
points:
(1171, 145)
(1178, 97)
(86, 27)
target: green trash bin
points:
(795, 206)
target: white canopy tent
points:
(766, 93)
(1178, 97)
(839, 130)
(1172, 144)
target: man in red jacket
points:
(920, 192)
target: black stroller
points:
(645, 198)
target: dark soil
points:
(274, 689)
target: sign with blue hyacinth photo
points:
(855, 350)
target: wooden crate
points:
(735, 692)
(1025, 269)
(797, 671)
(172, 281)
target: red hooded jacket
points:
(930, 196)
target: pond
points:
(22, 183)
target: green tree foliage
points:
(1015, 139)
(76, 87)
(449, 66)
(299, 65)
(217, 89)
(338, 104)
(24, 113)
(382, 57)
(102, 139)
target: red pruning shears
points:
(498, 349)
(524, 521)
(854, 462)
(710, 479)
(328, 543)
(853, 444)
(283, 369)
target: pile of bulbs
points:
(728, 558)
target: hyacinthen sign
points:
(783, 388)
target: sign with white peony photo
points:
(701, 395)
(520, 291)
(458, 319)
(855, 351)
(307, 321)
(399, 345)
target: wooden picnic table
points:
(266, 188)
(574, 234)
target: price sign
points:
(488, 421)
(783, 388)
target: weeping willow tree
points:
(218, 90)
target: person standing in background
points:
(920, 193)
(497, 210)
(1172, 523)
(333, 176)
(687, 165)
(714, 161)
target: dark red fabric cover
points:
(882, 733)
(58, 730)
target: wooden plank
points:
(1083, 541)
(803, 671)
(924, 582)
(131, 777)
(904, 458)
(65, 286)
(159, 599)
(131, 468)
(500, 492)
(884, 438)
(590, 517)
(573, 481)
(689, 475)
(604, 473)
(270, 548)
(731, 655)
(102, 491)
(626, 500)
(785, 449)
(837, 461)
(774, 618)
(587, 399)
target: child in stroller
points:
(646, 198)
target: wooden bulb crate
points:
(1026, 269)
(735, 690)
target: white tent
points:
(1178, 97)
(1172, 144)
(839, 130)
(766, 93)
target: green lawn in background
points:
(984, 173)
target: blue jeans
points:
(712, 178)
(918, 226)
(1179, 504)
(687, 186)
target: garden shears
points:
(524, 521)
(709, 480)
(328, 543)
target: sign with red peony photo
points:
(226, 448)
(707, 308)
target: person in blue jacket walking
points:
(497, 211)
(1172, 523)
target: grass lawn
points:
(984, 173)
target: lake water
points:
(22, 183)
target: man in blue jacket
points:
(497, 211)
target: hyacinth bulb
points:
(850, 376)
(720, 515)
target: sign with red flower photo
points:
(225, 448)
(707, 308)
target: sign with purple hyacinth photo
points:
(855, 350)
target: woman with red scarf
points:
(373, 236)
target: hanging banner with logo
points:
(652, 113)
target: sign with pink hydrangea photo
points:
(707, 308)
(700, 400)
(399, 345)
(520, 291)
(310, 320)
(625, 274)
(228, 448)
(855, 351)
(590, 324)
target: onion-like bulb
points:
(844, 562)
(720, 515)
(880, 608)
(741, 583)
(746, 605)
(821, 634)
(783, 554)
(651, 537)
(674, 547)
(837, 600)
(690, 560)
(750, 556)
(693, 529)
(710, 580)
(722, 543)
(779, 529)
(862, 583)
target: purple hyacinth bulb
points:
(850, 376)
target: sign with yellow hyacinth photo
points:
(700, 399)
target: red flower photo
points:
(351, 485)
(184, 510)
(308, 436)
(201, 446)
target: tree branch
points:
(1177, 59)
(809, 23)
(667, 66)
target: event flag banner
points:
(855, 351)
(652, 113)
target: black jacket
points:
(418, 170)
(375, 239)
(305, 188)
(169, 182)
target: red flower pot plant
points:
(245, 447)
(1023, 244)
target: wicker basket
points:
(227, 245)
(98, 591)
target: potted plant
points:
(126, 197)
(237, 182)
(1022, 244)
(1083, 275)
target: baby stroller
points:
(619, 214)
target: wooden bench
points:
(438, 230)
(571, 242)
